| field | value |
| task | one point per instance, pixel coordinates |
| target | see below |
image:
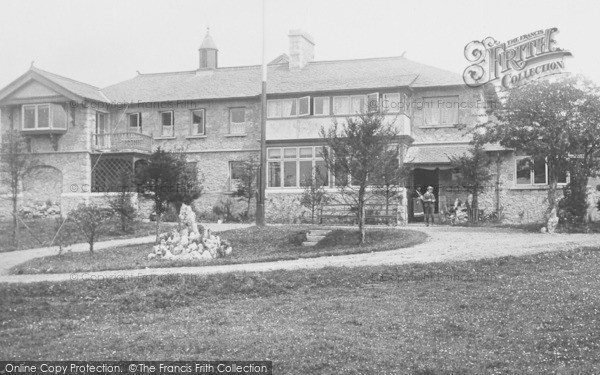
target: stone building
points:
(85, 136)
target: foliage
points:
(573, 206)
(121, 203)
(92, 221)
(15, 162)
(166, 179)
(246, 183)
(475, 174)
(314, 194)
(556, 119)
(357, 153)
(224, 210)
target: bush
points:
(224, 210)
(92, 221)
(572, 208)
(121, 204)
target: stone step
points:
(308, 243)
(313, 238)
(319, 232)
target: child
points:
(428, 204)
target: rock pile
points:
(190, 242)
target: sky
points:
(105, 42)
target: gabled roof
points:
(239, 82)
(314, 77)
(67, 86)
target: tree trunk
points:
(361, 217)
(475, 208)
(157, 227)
(15, 234)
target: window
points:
(198, 122)
(531, 172)
(358, 104)
(167, 122)
(36, 116)
(391, 103)
(373, 102)
(293, 167)
(43, 116)
(135, 122)
(274, 108)
(341, 105)
(101, 123)
(304, 106)
(321, 106)
(237, 121)
(236, 171)
(440, 111)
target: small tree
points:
(390, 179)
(314, 194)
(15, 162)
(167, 178)
(246, 183)
(356, 152)
(92, 221)
(121, 203)
(474, 169)
(573, 206)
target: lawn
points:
(41, 232)
(253, 244)
(536, 314)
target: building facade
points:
(85, 136)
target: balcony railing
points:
(122, 142)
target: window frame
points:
(193, 124)
(347, 97)
(297, 159)
(231, 110)
(162, 125)
(375, 107)
(531, 173)
(385, 98)
(299, 106)
(139, 122)
(440, 110)
(233, 187)
(36, 117)
(327, 100)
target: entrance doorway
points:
(420, 180)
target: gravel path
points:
(444, 244)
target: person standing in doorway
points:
(428, 204)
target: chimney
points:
(302, 49)
(208, 52)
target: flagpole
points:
(260, 202)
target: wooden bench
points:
(375, 213)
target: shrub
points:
(224, 210)
(92, 221)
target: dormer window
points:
(43, 117)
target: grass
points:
(41, 232)
(535, 314)
(253, 244)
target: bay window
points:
(43, 117)
(293, 167)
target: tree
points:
(15, 162)
(391, 178)
(553, 119)
(475, 174)
(356, 152)
(166, 179)
(314, 194)
(246, 182)
(121, 203)
(92, 220)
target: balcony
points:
(122, 142)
